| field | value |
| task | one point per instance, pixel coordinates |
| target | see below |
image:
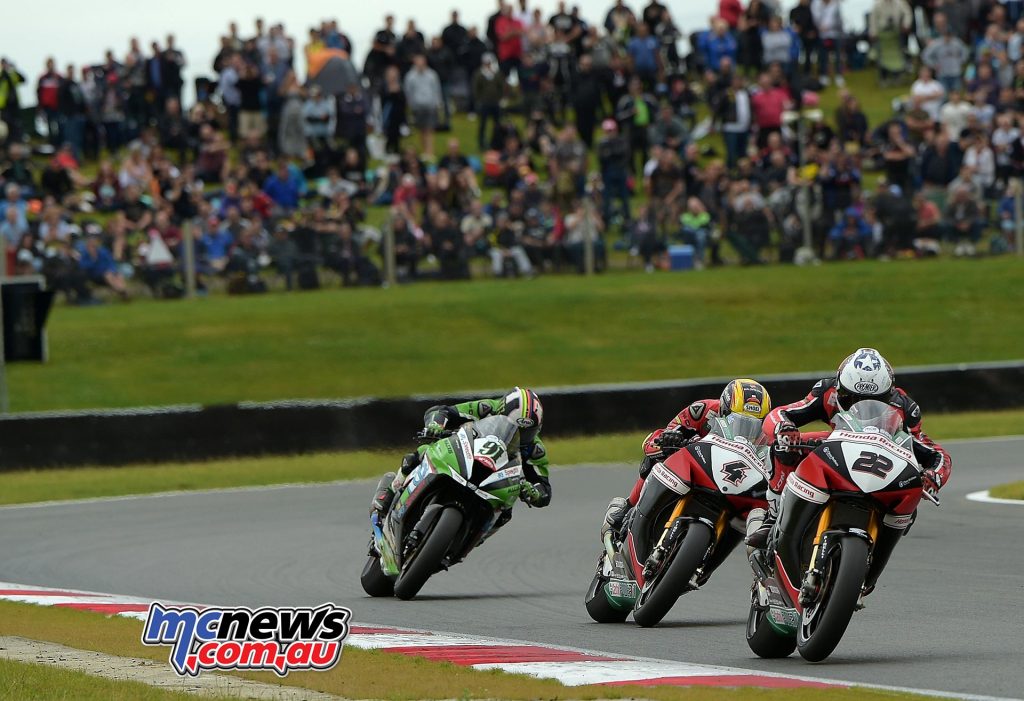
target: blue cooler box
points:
(680, 257)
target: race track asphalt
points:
(948, 613)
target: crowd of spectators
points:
(586, 133)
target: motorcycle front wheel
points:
(427, 558)
(824, 622)
(661, 594)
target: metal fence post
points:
(588, 237)
(389, 254)
(189, 250)
(1018, 215)
(4, 400)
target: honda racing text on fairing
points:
(240, 638)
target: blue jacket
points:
(714, 47)
(96, 266)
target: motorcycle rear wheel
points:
(762, 638)
(674, 579)
(373, 579)
(598, 606)
(427, 559)
(823, 624)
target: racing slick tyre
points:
(373, 579)
(660, 594)
(598, 606)
(427, 558)
(762, 638)
(823, 623)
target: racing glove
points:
(530, 494)
(434, 429)
(672, 440)
(932, 482)
(787, 437)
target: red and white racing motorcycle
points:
(861, 479)
(690, 516)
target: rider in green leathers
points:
(522, 406)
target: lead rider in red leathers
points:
(865, 374)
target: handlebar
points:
(422, 437)
(931, 497)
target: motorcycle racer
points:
(864, 374)
(741, 396)
(521, 405)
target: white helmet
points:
(865, 374)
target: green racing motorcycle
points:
(450, 503)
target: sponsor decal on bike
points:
(876, 439)
(278, 639)
(744, 449)
(669, 478)
(805, 491)
(898, 522)
(830, 456)
(625, 590)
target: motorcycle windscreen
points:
(869, 416)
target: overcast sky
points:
(76, 32)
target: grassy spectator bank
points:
(543, 332)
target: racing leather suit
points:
(534, 455)
(821, 404)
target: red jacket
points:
(510, 39)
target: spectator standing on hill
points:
(508, 41)
(587, 100)
(10, 106)
(48, 100)
(947, 55)
(828, 19)
(393, 109)
(488, 91)
(801, 19)
(613, 158)
(643, 50)
(736, 121)
(382, 53)
(423, 93)
(634, 113)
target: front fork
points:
(812, 580)
(672, 531)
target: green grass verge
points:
(371, 674)
(22, 681)
(559, 330)
(1014, 490)
(82, 483)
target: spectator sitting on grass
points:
(851, 236)
(98, 264)
(217, 241)
(695, 225)
(283, 187)
(964, 220)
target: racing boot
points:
(615, 516)
(384, 494)
(887, 539)
(760, 523)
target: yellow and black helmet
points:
(747, 397)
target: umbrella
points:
(333, 75)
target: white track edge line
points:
(985, 496)
(512, 642)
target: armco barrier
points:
(193, 432)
